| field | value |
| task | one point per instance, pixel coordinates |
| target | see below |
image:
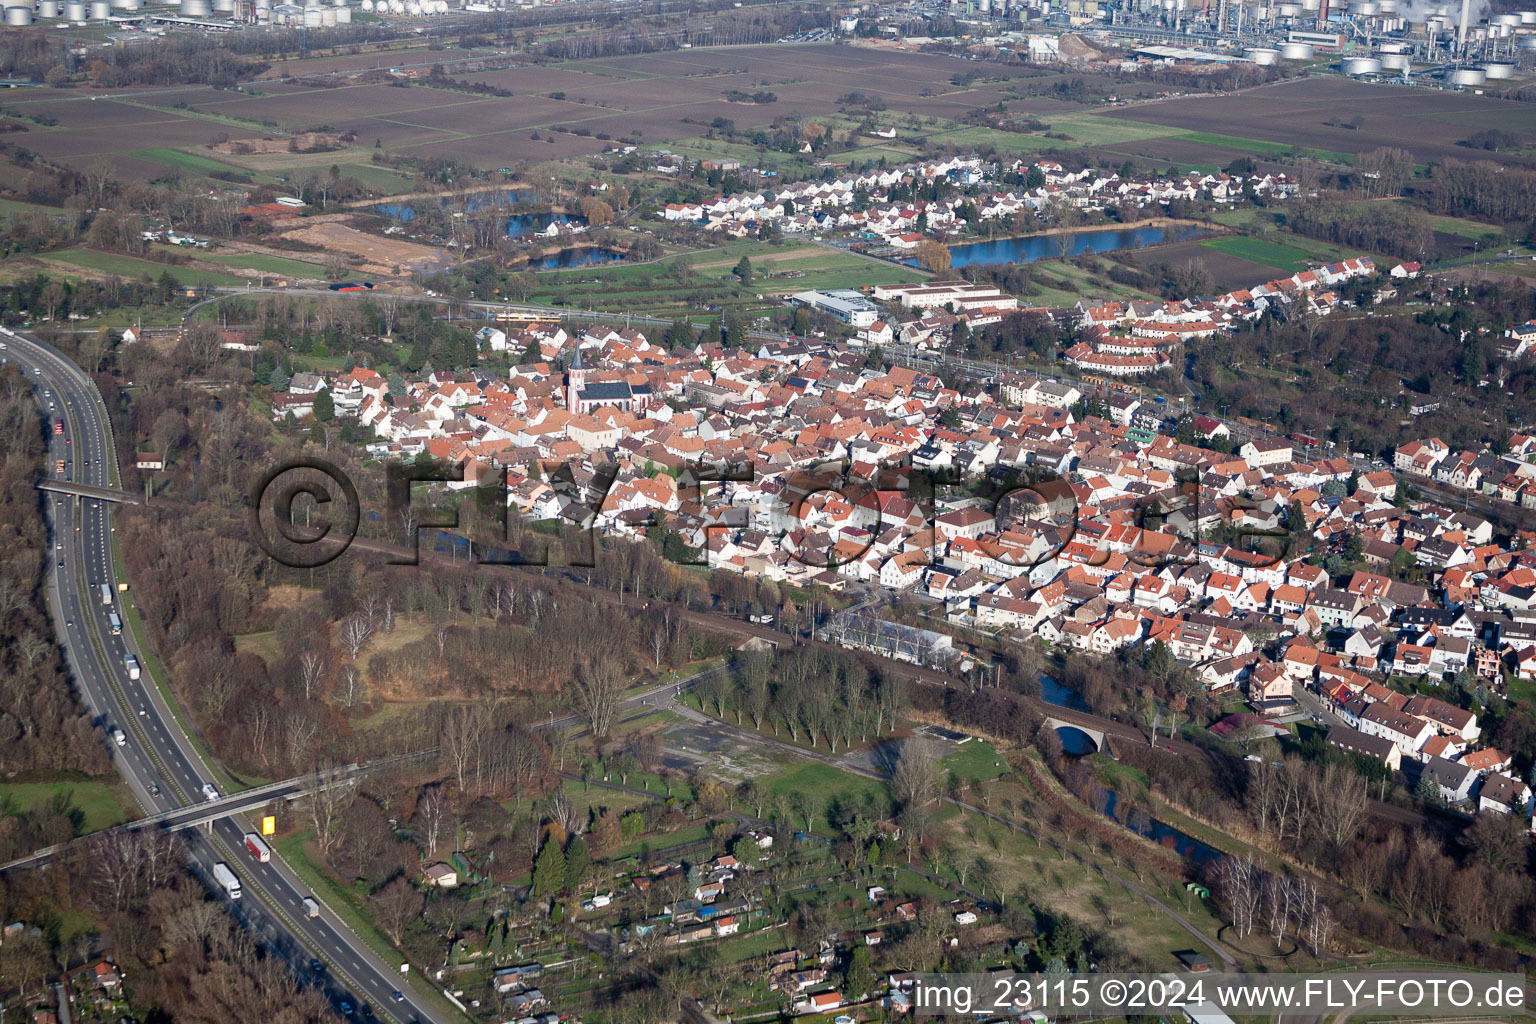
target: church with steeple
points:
(582, 397)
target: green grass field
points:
(654, 290)
(10, 206)
(1263, 147)
(130, 266)
(191, 163)
(268, 264)
(102, 804)
(824, 782)
(1273, 254)
(374, 176)
(974, 762)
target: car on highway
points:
(58, 428)
(210, 792)
(397, 996)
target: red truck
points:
(259, 849)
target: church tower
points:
(575, 380)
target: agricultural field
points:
(1259, 250)
(1335, 117)
(659, 98)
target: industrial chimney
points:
(1461, 39)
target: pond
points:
(477, 201)
(1038, 247)
(566, 258)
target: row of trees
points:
(42, 726)
(829, 697)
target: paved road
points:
(158, 759)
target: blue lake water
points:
(1038, 247)
(566, 258)
(517, 224)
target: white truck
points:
(311, 908)
(131, 665)
(227, 879)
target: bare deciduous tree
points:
(355, 633)
(311, 668)
(599, 684)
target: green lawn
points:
(102, 804)
(133, 267)
(1274, 254)
(824, 782)
(974, 762)
(188, 162)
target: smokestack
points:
(1322, 15)
(1461, 38)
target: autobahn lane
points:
(157, 758)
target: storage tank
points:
(1467, 76)
(1499, 70)
(1289, 10)
(1297, 51)
(74, 10)
(18, 15)
(1527, 17)
(1263, 55)
(100, 10)
(1390, 48)
(196, 8)
(1395, 62)
(1362, 66)
(1310, 5)
(1362, 8)
(396, 6)
(48, 8)
(328, 17)
(367, 6)
(1386, 6)
(224, 6)
(312, 17)
(1510, 19)
(343, 15)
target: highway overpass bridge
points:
(197, 815)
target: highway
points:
(159, 761)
